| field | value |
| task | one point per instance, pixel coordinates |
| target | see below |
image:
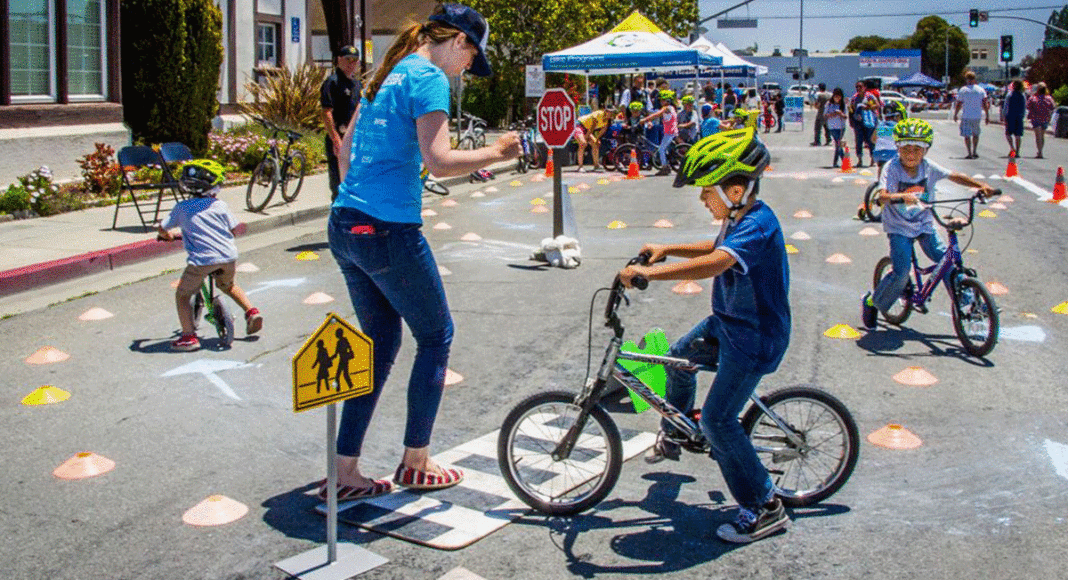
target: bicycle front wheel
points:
(678, 155)
(568, 486)
(872, 209)
(261, 185)
(899, 312)
(975, 317)
(608, 160)
(435, 187)
(224, 322)
(815, 458)
(467, 143)
(294, 176)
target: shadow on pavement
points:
(132, 229)
(316, 247)
(293, 513)
(886, 339)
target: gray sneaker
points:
(749, 527)
(665, 447)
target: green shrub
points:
(1060, 96)
(15, 198)
(100, 172)
(35, 191)
(289, 98)
(171, 57)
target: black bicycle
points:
(277, 168)
(561, 452)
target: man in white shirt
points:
(972, 105)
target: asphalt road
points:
(983, 497)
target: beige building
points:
(983, 59)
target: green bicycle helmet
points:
(913, 132)
(723, 155)
(200, 176)
(667, 94)
(636, 105)
(687, 99)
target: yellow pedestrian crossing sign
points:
(333, 365)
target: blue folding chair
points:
(130, 160)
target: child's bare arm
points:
(967, 181)
(163, 234)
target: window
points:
(983, 54)
(85, 47)
(32, 61)
(975, 54)
(267, 45)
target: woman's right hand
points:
(508, 146)
(656, 252)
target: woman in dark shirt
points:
(1015, 110)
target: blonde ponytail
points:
(407, 42)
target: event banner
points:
(795, 109)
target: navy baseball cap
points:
(471, 23)
(348, 50)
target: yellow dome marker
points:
(539, 209)
(318, 298)
(790, 249)
(516, 183)
(216, 510)
(537, 201)
(663, 223)
(442, 226)
(841, 331)
(428, 213)
(616, 225)
(604, 181)
(47, 355)
(83, 465)
(803, 214)
(572, 189)
(916, 377)
(997, 288)
(801, 236)
(987, 214)
(307, 256)
(471, 237)
(449, 203)
(452, 377)
(868, 231)
(1061, 308)
(839, 259)
(45, 395)
(94, 314)
(866, 172)
(247, 268)
(894, 436)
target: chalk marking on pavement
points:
(1024, 333)
(208, 368)
(1058, 454)
(286, 283)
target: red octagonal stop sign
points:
(556, 117)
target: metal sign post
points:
(556, 123)
(311, 365)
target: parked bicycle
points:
(277, 168)
(648, 154)
(975, 314)
(561, 452)
(530, 157)
(474, 134)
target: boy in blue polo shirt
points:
(750, 319)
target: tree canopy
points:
(930, 38)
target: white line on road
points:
(1058, 454)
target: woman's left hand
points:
(508, 146)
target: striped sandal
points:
(416, 479)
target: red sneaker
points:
(187, 343)
(253, 321)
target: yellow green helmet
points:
(636, 105)
(667, 94)
(913, 132)
(200, 176)
(687, 99)
(723, 155)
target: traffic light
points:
(1006, 48)
(973, 18)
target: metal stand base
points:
(313, 564)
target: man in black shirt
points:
(339, 96)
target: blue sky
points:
(853, 18)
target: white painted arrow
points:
(208, 368)
(1025, 333)
(1058, 454)
(287, 283)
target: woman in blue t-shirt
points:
(374, 232)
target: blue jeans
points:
(863, 139)
(746, 477)
(892, 285)
(836, 135)
(665, 142)
(391, 276)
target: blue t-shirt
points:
(383, 178)
(751, 298)
(709, 126)
(207, 230)
(910, 220)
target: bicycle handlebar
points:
(291, 135)
(617, 291)
(957, 225)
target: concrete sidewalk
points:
(40, 252)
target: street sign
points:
(535, 77)
(556, 117)
(736, 23)
(333, 365)
(793, 69)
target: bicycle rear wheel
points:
(224, 322)
(899, 312)
(872, 209)
(608, 160)
(467, 143)
(830, 444)
(975, 317)
(528, 437)
(678, 155)
(435, 187)
(294, 176)
(261, 185)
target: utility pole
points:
(801, 43)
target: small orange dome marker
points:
(916, 377)
(442, 270)
(539, 209)
(428, 213)
(894, 436)
(839, 259)
(997, 288)
(802, 236)
(802, 214)
(442, 226)
(449, 203)
(47, 355)
(95, 314)
(247, 268)
(478, 194)
(318, 298)
(216, 510)
(492, 189)
(452, 377)
(471, 237)
(83, 465)
(663, 223)
(688, 287)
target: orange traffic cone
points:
(847, 162)
(1011, 170)
(549, 167)
(1059, 193)
(632, 169)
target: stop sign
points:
(556, 117)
